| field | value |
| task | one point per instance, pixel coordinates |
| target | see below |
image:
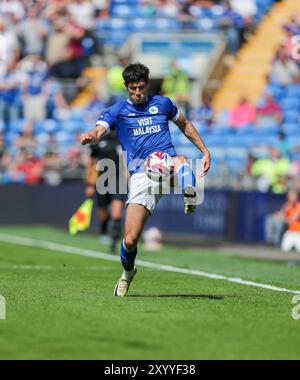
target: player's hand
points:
(89, 138)
(205, 163)
(89, 191)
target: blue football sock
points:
(127, 257)
(185, 176)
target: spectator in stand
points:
(9, 37)
(36, 74)
(284, 145)
(55, 9)
(246, 8)
(101, 5)
(277, 223)
(249, 163)
(3, 148)
(147, 8)
(294, 171)
(55, 98)
(13, 8)
(94, 108)
(234, 26)
(4, 157)
(115, 81)
(10, 171)
(65, 53)
(272, 173)
(10, 94)
(31, 167)
(243, 114)
(294, 222)
(26, 139)
(204, 113)
(293, 25)
(284, 70)
(74, 165)
(33, 31)
(167, 8)
(268, 112)
(290, 44)
(57, 44)
(176, 86)
(83, 12)
(52, 168)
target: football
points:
(159, 166)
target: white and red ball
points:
(159, 166)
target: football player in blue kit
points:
(142, 126)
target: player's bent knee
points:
(178, 160)
(130, 242)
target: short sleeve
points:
(173, 112)
(108, 118)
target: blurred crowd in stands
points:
(273, 159)
(48, 45)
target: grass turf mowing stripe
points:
(12, 239)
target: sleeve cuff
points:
(104, 124)
(176, 117)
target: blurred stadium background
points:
(233, 66)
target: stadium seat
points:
(247, 130)
(291, 116)
(294, 138)
(42, 139)
(220, 129)
(290, 128)
(188, 151)
(293, 90)
(49, 126)
(217, 11)
(182, 140)
(16, 125)
(165, 24)
(77, 114)
(267, 130)
(260, 151)
(124, 10)
(115, 38)
(290, 104)
(115, 23)
(204, 24)
(217, 154)
(235, 153)
(64, 138)
(235, 166)
(10, 137)
(142, 24)
(276, 90)
(102, 25)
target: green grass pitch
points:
(60, 306)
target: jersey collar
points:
(130, 102)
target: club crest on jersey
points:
(153, 110)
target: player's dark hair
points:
(136, 72)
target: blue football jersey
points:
(142, 128)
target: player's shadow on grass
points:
(191, 296)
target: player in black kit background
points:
(110, 206)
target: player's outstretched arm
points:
(93, 136)
(188, 129)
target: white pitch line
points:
(27, 267)
(12, 239)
